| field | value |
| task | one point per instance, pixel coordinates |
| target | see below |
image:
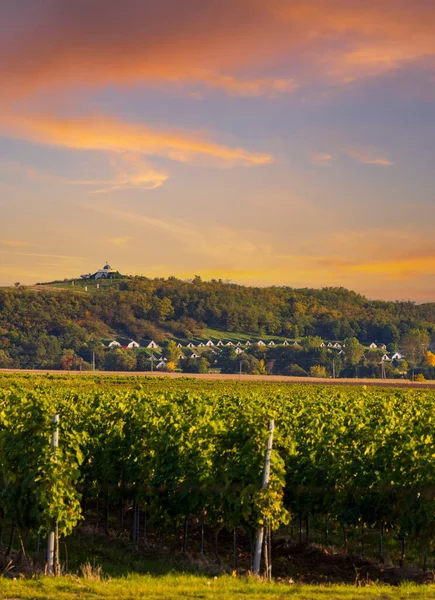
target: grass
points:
(216, 334)
(173, 586)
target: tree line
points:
(47, 327)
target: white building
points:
(271, 343)
(114, 344)
(133, 344)
(209, 344)
(220, 343)
(239, 351)
(260, 343)
(152, 345)
(103, 273)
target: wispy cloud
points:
(321, 159)
(14, 243)
(120, 241)
(109, 134)
(41, 255)
(233, 86)
(130, 171)
(368, 158)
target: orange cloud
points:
(368, 159)
(120, 241)
(130, 172)
(318, 158)
(14, 243)
(250, 87)
(110, 134)
(216, 42)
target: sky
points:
(266, 142)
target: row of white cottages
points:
(153, 346)
(238, 348)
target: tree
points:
(203, 365)
(120, 360)
(171, 352)
(250, 364)
(262, 367)
(69, 360)
(415, 344)
(353, 351)
(6, 361)
(317, 371)
(295, 371)
(311, 343)
(429, 359)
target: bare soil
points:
(394, 383)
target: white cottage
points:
(133, 344)
(209, 344)
(260, 343)
(114, 344)
(152, 345)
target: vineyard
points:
(179, 457)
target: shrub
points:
(318, 371)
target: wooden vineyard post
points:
(52, 541)
(259, 535)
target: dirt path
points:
(396, 383)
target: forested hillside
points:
(37, 325)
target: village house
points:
(152, 345)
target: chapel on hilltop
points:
(105, 273)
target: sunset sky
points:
(268, 142)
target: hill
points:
(39, 323)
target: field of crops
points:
(179, 454)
